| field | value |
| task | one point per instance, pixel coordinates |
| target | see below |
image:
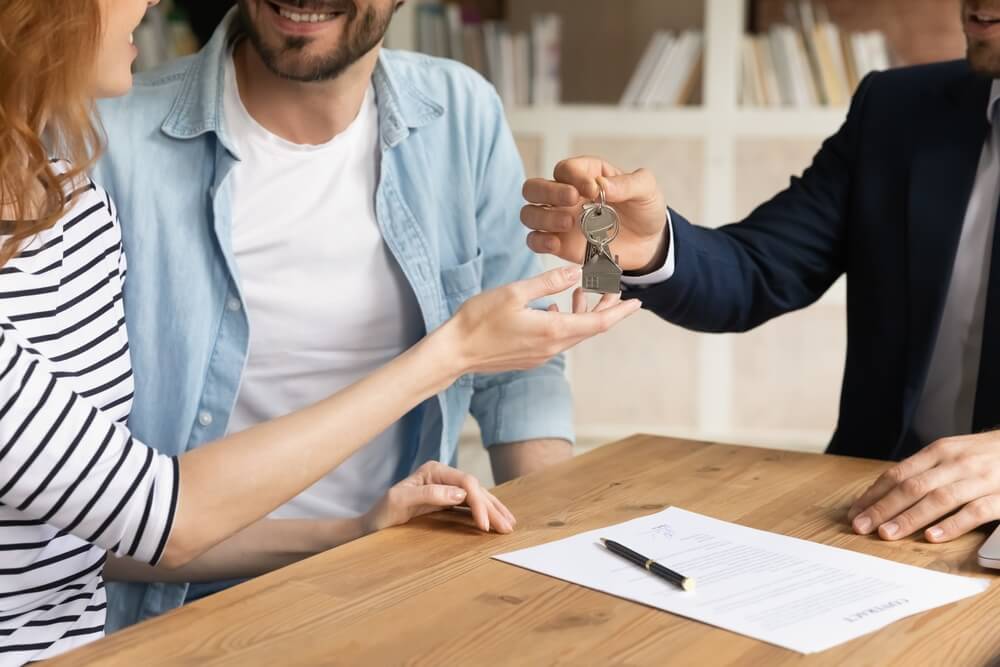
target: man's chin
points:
(984, 59)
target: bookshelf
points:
(778, 385)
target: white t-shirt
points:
(327, 302)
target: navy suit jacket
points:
(883, 201)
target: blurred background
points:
(723, 100)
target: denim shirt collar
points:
(197, 110)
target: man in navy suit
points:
(903, 200)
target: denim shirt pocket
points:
(459, 284)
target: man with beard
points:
(305, 206)
(903, 201)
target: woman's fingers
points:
(511, 519)
(608, 301)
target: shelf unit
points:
(716, 128)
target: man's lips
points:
(314, 8)
(982, 26)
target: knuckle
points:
(982, 510)
(948, 447)
(942, 496)
(895, 475)
(914, 487)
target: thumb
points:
(436, 495)
(640, 185)
(547, 284)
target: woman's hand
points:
(435, 486)
(498, 330)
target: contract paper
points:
(800, 595)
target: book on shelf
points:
(808, 61)
(164, 34)
(668, 73)
(522, 66)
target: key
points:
(600, 225)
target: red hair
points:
(48, 50)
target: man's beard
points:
(983, 60)
(362, 32)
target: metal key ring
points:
(602, 201)
(614, 226)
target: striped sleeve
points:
(68, 464)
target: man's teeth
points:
(985, 19)
(304, 18)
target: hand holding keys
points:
(600, 225)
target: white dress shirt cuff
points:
(663, 273)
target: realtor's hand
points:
(435, 486)
(555, 206)
(959, 475)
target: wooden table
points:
(428, 593)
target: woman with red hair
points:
(74, 483)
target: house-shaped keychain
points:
(601, 273)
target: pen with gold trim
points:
(687, 583)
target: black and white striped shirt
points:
(73, 482)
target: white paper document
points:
(789, 592)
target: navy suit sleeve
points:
(783, 257)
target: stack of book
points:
(669, 72)
(808, 62)
(523, 67)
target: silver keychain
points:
(600, 225)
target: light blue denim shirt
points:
(447, 203)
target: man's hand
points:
(961, 473)
(435, 486)
(555, 207)
(517, 459)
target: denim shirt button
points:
(205, 419)
(234, 305)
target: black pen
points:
(687, 583)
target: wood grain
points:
(429, 594)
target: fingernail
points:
(572, 272)
(458, 495)
(863, 525)
(890, 528)
(935, 533)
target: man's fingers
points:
(544, 219)
(979, 511)
(544, 243)
(550, 193)
(940, 502)
(640, 185)
(582, 173)
(905, 494)
(914, 465)
(579, 301)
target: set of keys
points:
(600, 225)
